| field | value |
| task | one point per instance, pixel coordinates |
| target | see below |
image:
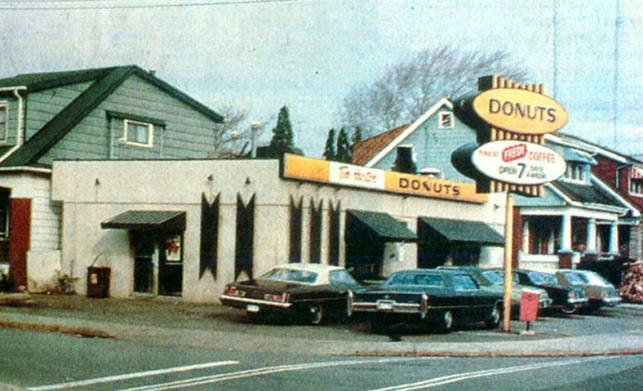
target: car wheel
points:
(569, 309)
(446, 322)
(315, 314)
(494, 318)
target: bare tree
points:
(233, 136)
(406, 90)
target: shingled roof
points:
(368, 148)
(106, 80)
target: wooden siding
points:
(12, 104)
(43, 106)
(433, 147)
(187, 133)
(46, 217)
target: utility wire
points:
(50, 6)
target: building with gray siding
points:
(108, 113)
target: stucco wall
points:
(93, 192)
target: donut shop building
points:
(186, 228)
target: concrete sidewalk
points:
(177, 323)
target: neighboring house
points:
(624, 175)
(579, 213)
(108, 113)
(432, 138)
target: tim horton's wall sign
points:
(520, 111)
(342, 174)
(518, 162)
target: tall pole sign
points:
(511, 120)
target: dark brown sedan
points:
(309, 292)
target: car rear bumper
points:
(244, 302)
(387, 306)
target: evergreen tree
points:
(282, 134)
(329, 149)
(343, 147)
(357, 137)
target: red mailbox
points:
(529, 303)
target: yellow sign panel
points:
(350, 175)
(520, 111)
(398, 182)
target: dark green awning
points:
(160, 220)
(384, 226)
(464, 231)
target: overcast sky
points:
(307, 54)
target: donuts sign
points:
(518, 162)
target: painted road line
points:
(439, 381)
(198, 381)
(128, 376)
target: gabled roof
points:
(106, 80)
(379, 149)
(586, 194)
(366, 149)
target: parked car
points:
(599, 291)
(493, 279)
(434, 296)
(298, 291)
(567, 299)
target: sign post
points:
(506, 321)
(511, 119)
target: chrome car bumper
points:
(386, 306)
(611, 301)
(244, 300)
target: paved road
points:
(48, 361)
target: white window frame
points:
(4, 110)
(636, 187)
(150, 133)
(575, 173)
(441, 114)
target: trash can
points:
(98, 281)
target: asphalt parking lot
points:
(175, 314)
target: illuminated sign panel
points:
(518, 162)
(343, 174)
(520, 111)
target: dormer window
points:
(4, 121)
(138, 133)
(446, 120)
(576, 172)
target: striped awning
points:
(159, 220)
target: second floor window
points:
(636, 186)
(446, 120)
(4, 121)
(138, 133)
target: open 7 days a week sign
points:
(518, 162)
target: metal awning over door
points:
(141, 220)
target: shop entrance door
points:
(144, 254)
(170, 266)
(158, 264)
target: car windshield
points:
(542, 278)
(291, 275)
(593, 279)
(575, 278)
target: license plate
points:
(385, 305)
(252, 308)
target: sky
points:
(308, 54)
